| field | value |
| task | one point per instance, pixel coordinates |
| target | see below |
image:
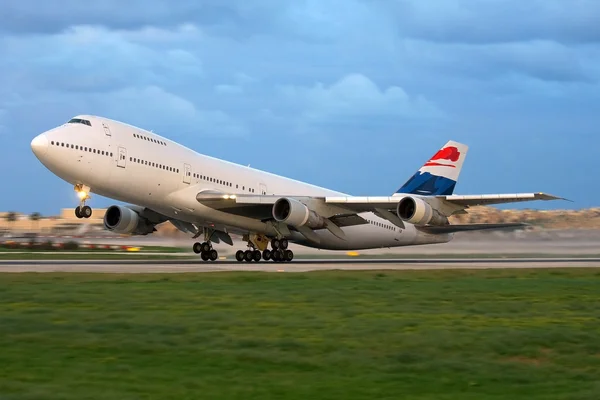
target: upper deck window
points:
(80, 121)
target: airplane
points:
(200, 195)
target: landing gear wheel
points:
(213, 255)
(283, 244)
(256, 255)
(197, 247)
(78, 212)
(239, 255)
(204, 256)
(206, 247)
(248, 254)
(275, 244)
(266, 254)
(277, 256)
(288, 255)
(86, 211)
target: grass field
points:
(93, 256)
(490, 334)
(157, 249)
(179, 255)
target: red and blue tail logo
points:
(438, 176)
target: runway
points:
(300, 265)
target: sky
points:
(352, 95)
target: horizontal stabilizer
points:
(470, 227)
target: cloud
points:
(304, 79)
(228, 89)
(543, 60)
(356, 96)
(165, 112)
(89, 58)
(3, 128)
(496, 21)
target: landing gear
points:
(83, 211)
(256, 243)
(206, 251)
(248, 255)
(205, 248)
(280, 252)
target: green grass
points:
(92, 256)
(154, 249)
(491, 334)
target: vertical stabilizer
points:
(438, 176)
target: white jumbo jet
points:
(202, 195)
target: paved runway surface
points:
(300, 265)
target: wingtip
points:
(547, 196)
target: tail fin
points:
(438, 176)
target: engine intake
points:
(419, 212)
(294, 213)
(124, 220)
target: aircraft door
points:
(187, 173)
(262, 188)
(122, 157)
(106, 129)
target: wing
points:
(361, 204)
(340, 211)
(488, 199)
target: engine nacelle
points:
(124, 220)
(419, 212)
(294, 213)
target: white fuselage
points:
(132, 165)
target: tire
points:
(206, 247)
(289, 255)
(213, 255)
(86, 212)
(78, 212)
(204, 256)
(256, 255)
(248, 255)
(275, 244)
(197, 247)
(266, 255)
(283, 244)
(239, 255)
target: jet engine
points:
(418, 212)
(124, 220)
(296, 214)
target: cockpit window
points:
(80, 121)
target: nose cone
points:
(39, 145)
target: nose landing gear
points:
(82, 211)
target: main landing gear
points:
(279, 252)
(83, 211)
(205, 248)
(206, 251)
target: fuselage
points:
(133, 165)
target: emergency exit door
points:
(122, 157)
